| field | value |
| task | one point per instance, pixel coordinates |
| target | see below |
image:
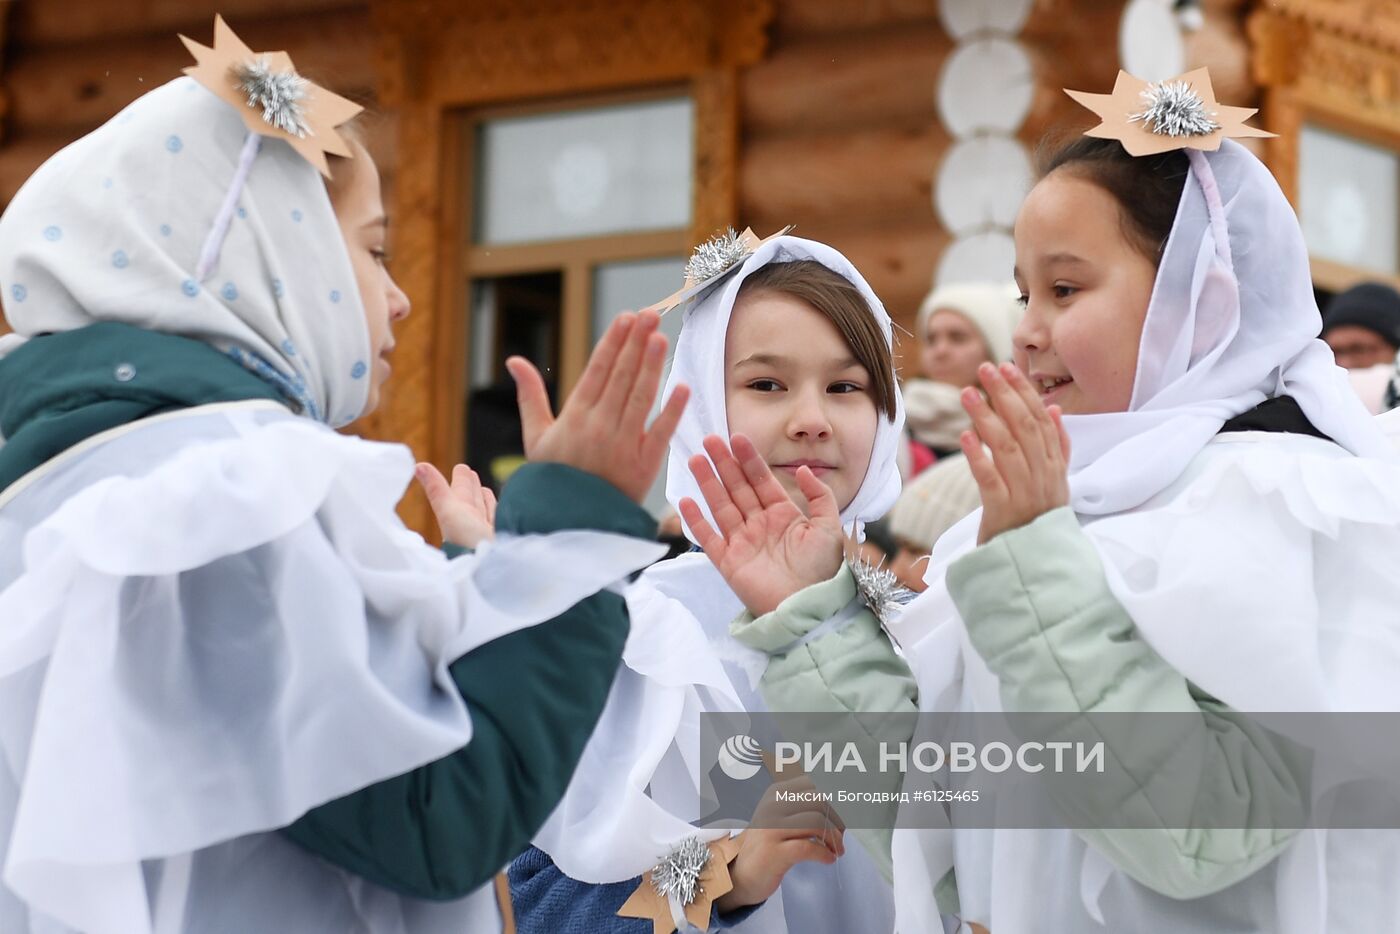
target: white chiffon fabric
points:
(1261, 566)
(211, 622)
(639, 783)
(1232, 321)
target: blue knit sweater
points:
(548, 902)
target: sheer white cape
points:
(211, 622)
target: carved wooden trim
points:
(463, 54)
(1375, 23)
(437, 58)
(1327, 61)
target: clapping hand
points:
(602, 427)
(1027, 472)
(766, 548)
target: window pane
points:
(1347, 191)
(584, 173)
(633, 284)
(509, 315)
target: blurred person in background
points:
(959, 327)
(1362, 326)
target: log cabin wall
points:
(840, 137)
(820, 113)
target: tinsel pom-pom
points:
(278, 93)
(879, 589)
(715, 256)
(1175, 109)
(679, 873)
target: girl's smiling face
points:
(795, 388)
(1086, 287)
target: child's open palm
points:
(602, 428)
(765, 548)
(1027, 472)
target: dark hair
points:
(1147, 188)
(841, 303)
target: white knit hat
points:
(992, 307)
(933, 502)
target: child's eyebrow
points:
(381, 220)
(778, 360)
(1064, 259)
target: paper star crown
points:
(694, 875)
(271, 97)
(1179, 113)
(714, 261)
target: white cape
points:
(211, 622)
(1285, 549)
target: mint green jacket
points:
(1039, 611)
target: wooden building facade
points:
(548, 161)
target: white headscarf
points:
(1232, 322)
(699, 364)
(991, 307)
(111, 227)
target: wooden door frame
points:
(439, 59)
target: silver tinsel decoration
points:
(715, 256)
(1175, 109)
(879, 589)
(679, 873)
(279, 94)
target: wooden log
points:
(808, 17)
(874, 176)
(45, 23)
(76, 87)
(823, 82)
(1072, 44)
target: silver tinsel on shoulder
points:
(279, 94)
(679, 873)
(715, 256)
(1175, 109)
(879, 589)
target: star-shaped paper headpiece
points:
(271, 97)
(695, 874)
(1180, 113)
(714, 261)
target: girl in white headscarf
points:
(236, 693)
(793, 350)
(1199, 534)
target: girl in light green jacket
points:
(1183, 505)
